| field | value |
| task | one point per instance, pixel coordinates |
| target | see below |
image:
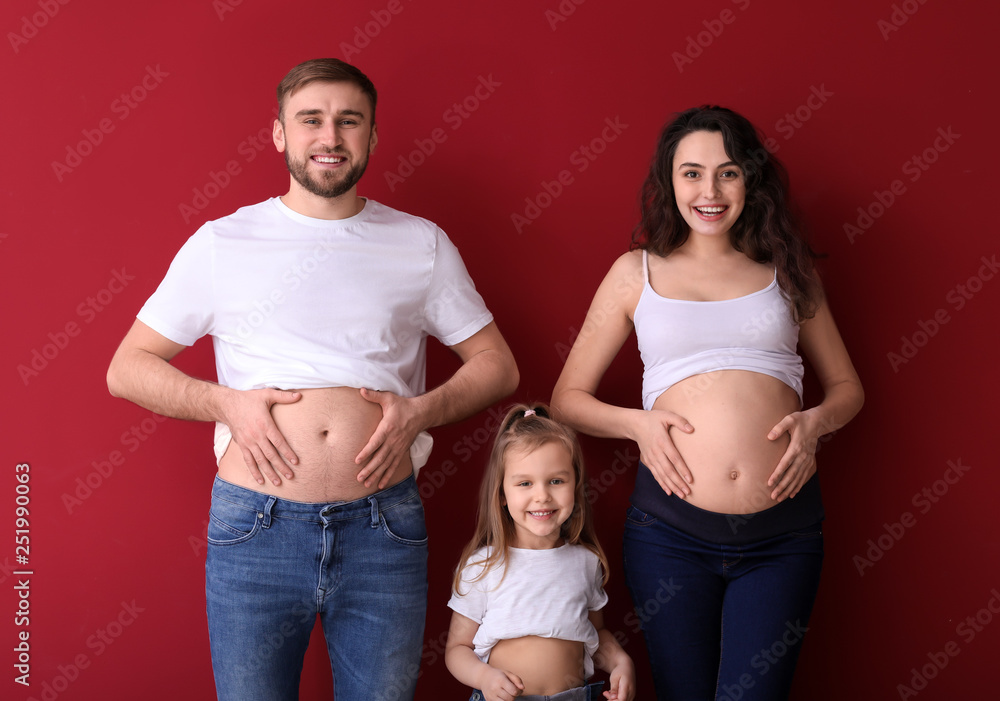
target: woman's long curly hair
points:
(766, 230)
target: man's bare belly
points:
(729, 455)
(545, 665)
(326, 428)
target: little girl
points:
(529, 589)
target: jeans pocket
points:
(229, 523)
(404, 522)
(638, 517)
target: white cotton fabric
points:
(293, 302)
(548, 593)
(680, 338)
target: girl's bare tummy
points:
(326, 428)
(546, 666)
(729, 455)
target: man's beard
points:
(330, 184)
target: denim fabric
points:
(274, 564)
(721, 622)
(591, 692)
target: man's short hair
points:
(331, 70)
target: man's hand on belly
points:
(798, 463)
(265, 451)
(390, 442)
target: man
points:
(319, 303)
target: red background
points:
(558, 72)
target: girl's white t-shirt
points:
(548, 593)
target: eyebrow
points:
(518, 477)
(341, 113)
(727, 164)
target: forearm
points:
(483, 379)
(587, 414)
(153, 383)
(840, 404)
(610, 655)
(465, 665)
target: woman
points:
(723, 541)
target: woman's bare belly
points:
(545, 665)
(729, 455)
(326, 428)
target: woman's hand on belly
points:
(390, 442)
(735, 451)
(658, 452)
(798, 463)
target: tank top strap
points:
(645, 266)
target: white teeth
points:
(711, 210)
(327, 159)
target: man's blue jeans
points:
(721, 622)
(274, 564)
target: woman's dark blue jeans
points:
(721, 622)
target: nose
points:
(330, 134)
(710, 188)
(541, 493)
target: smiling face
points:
(708, 186)
(538, 491)
(326, 134)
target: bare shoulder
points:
(626, 277)
(628, 267)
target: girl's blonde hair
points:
(526, 428)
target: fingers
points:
(796, 471)
(380, 471)
(373, 395)
(668, 479)
(379, 461)
(260, 465)
(673, 469)
(784, 426)
(285, 451)
(680, 467)
(518, 685)
(681, 423)
(281, 396)
(251, 462)
(366, 454)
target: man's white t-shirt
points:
(293, 302)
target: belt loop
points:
(374, 502)
(268, 507)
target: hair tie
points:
(537, 411)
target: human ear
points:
(278, 135)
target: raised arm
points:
(141, 372)
(488, 373)
(843, 397)
(608, 324)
